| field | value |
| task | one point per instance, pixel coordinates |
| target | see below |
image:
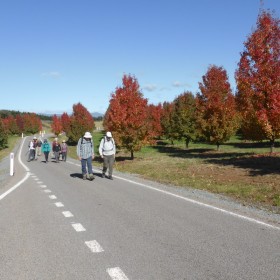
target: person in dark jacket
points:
(56, 150)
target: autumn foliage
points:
(127, 116)
(80, 121)
(216, 115)
(56, 125)
(258, 81)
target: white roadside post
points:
(11, 164)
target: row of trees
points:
(214, 114)
(74, 125)
(27, 123)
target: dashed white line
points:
(116, 273)
(43, 186)
(59, 204)
(47, 191)
(78, 227)
(39, 182)
(52, 197)
(94, 246)
(67, 214)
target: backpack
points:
(82, 142)
(112, 140)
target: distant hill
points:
(97, 115)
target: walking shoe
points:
(110, 177)
(84, 176)
(103, 175)
(91, 176)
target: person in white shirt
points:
(107, 151)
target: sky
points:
(57, 53)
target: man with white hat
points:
(85, 152)
(107, 151)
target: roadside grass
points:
(12, 140)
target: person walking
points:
(64, 149)
(56, 150)
(46, 148)
(107, 151)
(32, 149)
(85, 153)
(39, 145)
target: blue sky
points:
(56, 53)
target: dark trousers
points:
(64, 155)
(31, 155)
(46, 156)
(108, 162)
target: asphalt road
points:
(54, 225)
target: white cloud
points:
(150, 87)
(52, 74)
(180, 84)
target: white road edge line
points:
(21, 181)
(116, 273)
(201, 204)
(94, 246)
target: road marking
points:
(52, 197)
(47, 191)
(246, 218)
(21, 181)
(67, 214)
(43, 186)
(116, 273)
(59, 204)
(14, 187)
(39, 182)
(94, 246)
(36, 179)
(78, 227)
(203, 204)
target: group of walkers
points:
(85, 153)
(36, 146)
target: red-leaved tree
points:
(154, 120)
(80, 122)
(258, 81)
(126, 116)
(167, 121)
(56, 125)
(65, 122)
(216, 115)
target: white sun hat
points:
(87, 135)
(109, 134)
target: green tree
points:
(3, 136)
(183, 117)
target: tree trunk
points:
(218, 146)
(272, 142)
(131, 155)
(187, 141)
